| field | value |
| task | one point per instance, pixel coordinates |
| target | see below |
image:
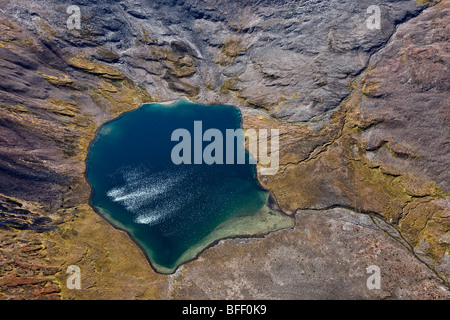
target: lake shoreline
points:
(271, 203)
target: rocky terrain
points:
(364, 120)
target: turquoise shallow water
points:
(169, 209)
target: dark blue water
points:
(166, 208)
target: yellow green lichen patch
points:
(121, 97)
(96, 68)
(62, 107)
(45, 30)
(182, 68)
(108, 87)
(158, 53)
(17, 108)
(223, 60)
(370, 88)
(417, 187)
(7, 43)
(146, 38)
(425, 223)
(379, 192)
(233, 48)
(229, 85)
(12, 36)
(427, 2)
(62, 81)
(29, 120)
